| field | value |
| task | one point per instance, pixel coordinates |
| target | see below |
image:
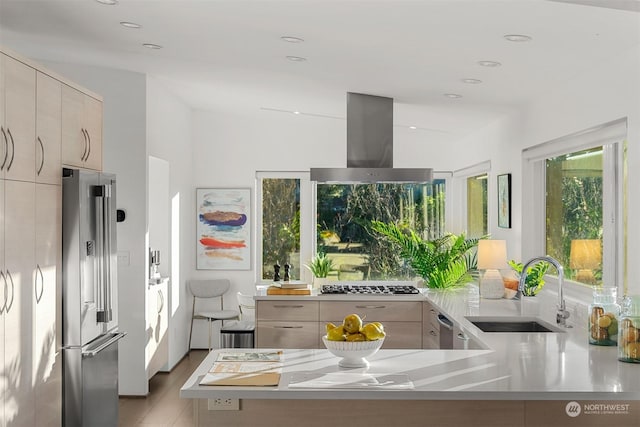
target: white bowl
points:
(353, 353)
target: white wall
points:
(169, 137)
(124, 154)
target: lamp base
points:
(585, 276)
(492, 285)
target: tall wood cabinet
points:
(81, 129)
(31, 140)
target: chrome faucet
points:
(562, 314)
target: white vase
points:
(319, 281)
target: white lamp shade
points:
(492, 254)
(585, 254)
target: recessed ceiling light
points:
(489, 63)
(130, 24)
(152, 46)
(296, 112)
(296, 58)
(108, 2)
(413, 127)
(517, 38)
(291, 39)
(452, 95)
(472, 81)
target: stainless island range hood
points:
(370, 146)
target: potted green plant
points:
(535, 276)
(443, 262)
(320, 266)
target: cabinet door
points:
(157, 327)
(74, 140)
(93, 128)
(19, 270)
(4, 143)
(47, 300)
(3, 384)
(20, 119)
(48, 130)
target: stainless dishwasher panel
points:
(446, 332)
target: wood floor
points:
(163, 406)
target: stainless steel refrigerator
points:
(89, 303)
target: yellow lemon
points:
(336, 334)
(330, 326)
(356, 337)
(352, 323)
(372, 331)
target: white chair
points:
(210, 289)
(241, 334)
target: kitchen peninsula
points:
(514, 379)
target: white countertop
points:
(515, 366)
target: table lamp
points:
(586, 256)
(492, 257)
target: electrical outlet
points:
(223, 404)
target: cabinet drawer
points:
(431, 316)
(431, 337)
(372, 311)
(287, 310)
(287, 334)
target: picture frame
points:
(504, 200)
(223, 229)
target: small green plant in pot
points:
(535, 276)
(320, 265)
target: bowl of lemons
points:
(353, 341)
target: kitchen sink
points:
(511, 324)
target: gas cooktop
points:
(369, 289)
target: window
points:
(283, 219)
(572, 185)
(345, 211)
(477, 205)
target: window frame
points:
(307, 235)
(460, 178)
(611, 136)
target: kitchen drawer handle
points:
(287, 327)
(371, 306)
(288, 306)
(4, 292)
(444, 322)
(13, 149)
(89, 140)
(161, 305)
(463, 337)
(6, 148)
(8, 303)
(84, 153)
(41, 160)
(35, 284)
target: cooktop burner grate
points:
(370, 289)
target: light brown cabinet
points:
(48, 130)
(431, 327)
(17, 120)
(402, 320)
(81, 129)
(287, 324)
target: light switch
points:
(123, 258)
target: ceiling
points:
(229, 54)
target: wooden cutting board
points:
(274, 290)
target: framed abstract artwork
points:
(223, 229)
(504, 200)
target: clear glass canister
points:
(629, 343)
(604, 312)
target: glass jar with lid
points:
(604, 312)
(629, 343)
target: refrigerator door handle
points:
(102, 193)
(94, 351)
